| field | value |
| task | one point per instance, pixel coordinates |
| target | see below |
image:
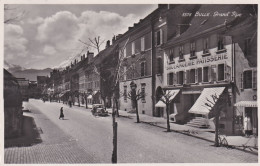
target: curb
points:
(232, 147)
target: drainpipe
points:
(153, 68)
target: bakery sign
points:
(199, 61)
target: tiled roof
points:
(201, 24)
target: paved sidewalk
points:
(243, 143)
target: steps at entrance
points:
(198, 122)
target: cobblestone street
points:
(83, 138)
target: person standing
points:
(61, 114)
(70, 101)
(247, 125)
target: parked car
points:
(99, 110)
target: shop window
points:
(205, 45)
(143, 93)
(247, 47)
(180, 76)
(143, 65)
(181, 52)
(205, 74)
(221, 72)
(170, 75)
(220, 42)
(192, 49)
(192, 76)
(125, 93)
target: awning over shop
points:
(199, 107)
(63, 93)
(94, 92)
(246, 104)
(171, 93)
(160, 104)
(90, 97)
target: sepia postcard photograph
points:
(129, 83)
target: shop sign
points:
(199, 61)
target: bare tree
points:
(94, 43)
(216, 106)
(167, 97)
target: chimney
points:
(113, 39)
(108, 44)
(81, 58)
(90, 56)
(75, 62)
(118, 36)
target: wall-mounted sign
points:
(199, 61)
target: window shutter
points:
(196, 76)
(209, 74)
(161, 36)
(184, 77)
(213, 73)
(227, 40)
(254, 79)
(174, 78)
(187, 76)
(168, 79)
(227, 72)
(155, 37)
(177, 77)
(241, 81)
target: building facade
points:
(206, 60)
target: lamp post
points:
(134, 99)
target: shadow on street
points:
(30, 135)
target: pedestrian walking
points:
(61, 114)
(70, 101)
(247, 125)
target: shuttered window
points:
(199, 74)
(170, 78)
(254, 79)
(206, 74)
(192, 76)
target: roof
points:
(208, 18)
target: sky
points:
(48, 35)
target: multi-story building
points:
(215, 55)
(24, 88)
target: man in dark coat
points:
(61, 114)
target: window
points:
(124, 73)
(159, 37)
(171, 55)
(205, 74)
(221, 72)
(170, 75)
(248, 79)
(192, 49)
(133, 48)
(159, 66)
(143, 92)
(220, 42)
(199, 74)
(181, 52)
(192, 76)
(142, 44)
(143, 69)
(125, 93)
(133, 70)
(247, 47)
(180, 76)
(205, 45)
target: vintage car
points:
(99, 110)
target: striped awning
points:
(90, 97)
(246, 104)
(200, 105)
(171, 93)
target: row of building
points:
(194, 50)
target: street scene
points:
(130, 83)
